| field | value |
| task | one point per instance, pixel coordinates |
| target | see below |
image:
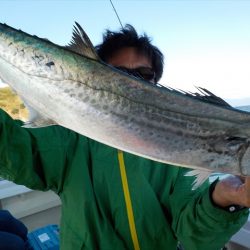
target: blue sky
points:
(205, 43)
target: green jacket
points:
(99, 211)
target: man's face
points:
(131, 61)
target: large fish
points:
(71, 87)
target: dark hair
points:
(128, 37)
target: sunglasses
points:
(145, 73)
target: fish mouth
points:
(245, 159)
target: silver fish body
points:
(100, 102)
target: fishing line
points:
(116, 13)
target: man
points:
(115, 200)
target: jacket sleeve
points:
(197, 223)
(37, 158)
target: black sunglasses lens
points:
(142, 72)
(146, 73)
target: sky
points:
(206, 43)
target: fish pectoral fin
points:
(36, 120)
(39, 123)
(201, 177)
(81, 43)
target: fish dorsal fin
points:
(81, 43)
(200, 177)
(208, 96)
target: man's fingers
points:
(247, 184)
(243, 178)
(247, 191)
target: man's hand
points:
(233, 190)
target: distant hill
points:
(244, 108)
(12, 104)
